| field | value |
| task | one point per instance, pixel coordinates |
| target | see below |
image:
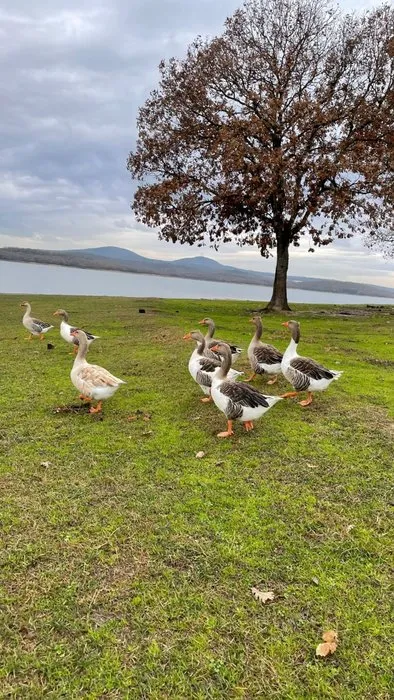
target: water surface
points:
(30, 278)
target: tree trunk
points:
(279, 293)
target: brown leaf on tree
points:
(330, 643)
(263, 596)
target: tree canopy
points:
(281, 127)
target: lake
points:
(30, 278)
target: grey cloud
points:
(73, 75)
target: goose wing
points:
(98, 376)
(208, 364)
(268, 355)
(311, 368)
(39, 325)
(206, 368)
(89, 336)
(243, 394)
(234, 348)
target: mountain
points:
(200, 261)
(199, 267)
(112, 252)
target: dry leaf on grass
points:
(330, 640)
(139, 414)
(200, 455)
(263, 596)
(330, 636)
(45, 464)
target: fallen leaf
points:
(263, 596)
(45, 464)
(325, 649)
(330, 636)
(133, 417)
(147, 416)
(329, 645)
(200, 455)
(217, 464)
(315, 580)
(148, 432)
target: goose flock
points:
(210, 365)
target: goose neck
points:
(226, 364)
(259, 330)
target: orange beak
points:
(286, 323)
(215, 348)
(188, 336)
(201, 323)
(56, 313)
(251, 320)
(74, 333)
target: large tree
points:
(279, 128)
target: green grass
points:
(127, 563)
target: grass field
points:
(127, 562)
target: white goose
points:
(34, 325)
(201, 367)
(237, 400)
(263, 358)
(94, 382)
(66, 331)
(210, 340)
(302, 372)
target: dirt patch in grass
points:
(73, 408)
(380, 363)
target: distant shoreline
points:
(183, 270)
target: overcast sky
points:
(73, 74)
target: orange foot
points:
(273, 380)
(207, 399)
(229, 430)
(97, 409)
(248, 425)
(307, 401)
(249, 379)
(84, 398)
(289, 395)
